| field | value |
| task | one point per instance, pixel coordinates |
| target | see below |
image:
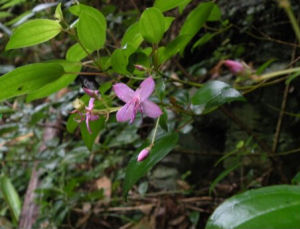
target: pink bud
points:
(143, 154)
(90, 92)
(234, 66)
(140, 67)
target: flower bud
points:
(235, 67)
(143, 154)
(140, 67)
(90, 92)
(78, 104)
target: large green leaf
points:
(33, 32)
(136, 170)
(152, 25)
(195, 20)
(165, 5)
(274, 207)
(91, 28)
(62, 82)
(28, 78)
(11, 197)
(214, 94)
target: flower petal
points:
(87, 120)
(146, 88)
(151, 109)
(94, 117)
(91, 104)
(123, 92)
(126, 113)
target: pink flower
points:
(86, 113)
(143, 154)
(235, 67)
(89, 116)
(136, 101)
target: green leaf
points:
(214, 94)
(215, 14)
(292, 77)
(76, 53)
(20, 17)
(173, 47)
(91, 28)
(135, 170)
(95, 126)
(168, 22)
(119, 59)
(58, 13)
(60, 83)
(11, 3)
(163, 121)
(28, 78)
(195, 20)
(105, 87)
(274, 207)
(221, 176)
(5, 14)
(165, 5)
(203, 40)
(33, 32)
(152, 25)
(182, 6)
(11, 197)
(132, 36)
(71, 123)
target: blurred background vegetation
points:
(232, 149)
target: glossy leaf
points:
(33, 32)
(136, 170)
(195, 20)
(28, 78)
(11, 197)
(91, 28)
(214, 94)
(95, 126)
(152, 25)
(164, 5)
(60, 83)
(274, 207)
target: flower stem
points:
(277, 73)
(155, 131)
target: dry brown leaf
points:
(105, 184)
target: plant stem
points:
(285, 4)
(277, 73)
